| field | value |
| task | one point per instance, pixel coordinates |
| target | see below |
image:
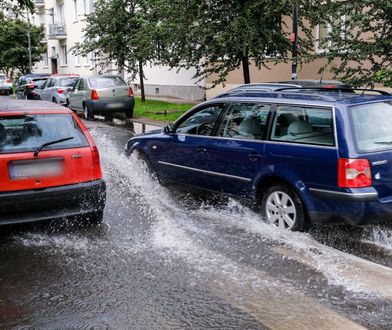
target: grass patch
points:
(160, 110)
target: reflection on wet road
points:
(170, 259)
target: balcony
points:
(39, 3)
(57, 31)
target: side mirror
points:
(168, 129)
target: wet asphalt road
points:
(166, 258)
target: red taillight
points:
(329, 86)
(130, 91)
(354, 173)
(96, 163)
(60, 90)
(94, 95)
(8, 81)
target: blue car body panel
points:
(241, 166)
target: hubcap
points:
(85, 112)
(280, 210)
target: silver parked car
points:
(101, 95)
(56, 88)
(5, 85)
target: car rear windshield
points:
(103, 82)
(68, 82)
(39, 81)
(26, 133)
(372, 125)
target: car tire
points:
(95, 218)
(68, 105)
(87, 112)
(54, 100)
(282, 207)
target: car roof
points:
(261, 85)
(309, 98)
(30, 107)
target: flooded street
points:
(165, 258)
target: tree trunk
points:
(245, 68)
(141, 75)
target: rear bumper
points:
(52, 203)
(4, 89)
(104, 107)
(356, 207)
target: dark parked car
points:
(256, 88)
(49, 165)
(101, 95)
(317, 83)
(303, 157)
(26, 87)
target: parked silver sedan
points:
(101, 95)
(56, 88)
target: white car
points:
(5, 85)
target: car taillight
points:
(94, 95)
(354, 173)
(60, 90)
(329, 86)
(96, 163)
(8, 81)
(130, 91)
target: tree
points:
(122, 31)
(14, 52)
(359, 39)
(17, 5)
(217, 37)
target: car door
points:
(44, 92)
(182, 155)
(20, 88)
(73, 96)
(236, 156)
(83, 93)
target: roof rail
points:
(334, 89)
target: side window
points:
(245, 121)
(303, 125)
(77, 84)
(51, 83)
(202, 122)
(82, 85)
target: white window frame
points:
(76, 13)
(77, 60)
(64, 55)
(46, 60)
(319, 50)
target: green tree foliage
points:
(359, 39)
(14, 52)
(219, 36)
(122, 31)
(17, 5)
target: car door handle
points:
(201, 149)
(254, 156)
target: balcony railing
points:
(57, 31)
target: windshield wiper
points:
(383, 142)
(36, 152)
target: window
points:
(105, 82)
(303, 125)
(51, 14)
(61, 13)
(372, 125)
(245, 121)
(84, 7)
(202, 122)
(87, 60)
(82, 85)
(46, 60)
(54, 52)
(64, 59)
(75, 9)
(51, 83)
(77, 60)
(327, 36)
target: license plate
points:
(115, 105)
(36, 169)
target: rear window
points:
(39, 82)
(372, 125)
(103, 82)
(68, 82)
(27, 133)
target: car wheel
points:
(54, 100)
(108, 117)
(38, 98)
(25, 97)
(86, 112)
(145, 163)
(282, 207)
(95, 217)
(68, 105)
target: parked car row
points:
(94, 95)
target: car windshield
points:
(372, 125)
(103, 82)
(68, 82)
(27, 133)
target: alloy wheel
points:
(281, 210)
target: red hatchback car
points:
(49, 165)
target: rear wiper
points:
(36, 152)
(383, 142)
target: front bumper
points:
(52, 203)
(103, 107)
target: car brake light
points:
(60, 90)
(96, 163)
(329, 86)
(8, 81)
(354, 173)
(130, 91)
(94, 95)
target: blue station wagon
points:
(304, 157)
